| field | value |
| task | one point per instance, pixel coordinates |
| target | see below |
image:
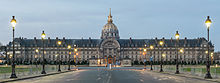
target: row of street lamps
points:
(59, 43)
(43, 36)
(177, 35)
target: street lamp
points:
(161, 59)
(36, 57)
(208, 23)
(181, 51)
(151, 61)
(43, 35)
(56, 60)
(69, 47)
(13, 24)
(177, 44)
(75, 55)
(212, 57)
(144, 53)
(59, 43)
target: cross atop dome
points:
(110, 17)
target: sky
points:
(138, 19)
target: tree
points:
(136, 62)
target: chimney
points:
(171, 40)
(48, 40)
(90, 41)
(130, 40)
(198, 40)
(163, 39)
(185, 40)
(156, 40)
(35, 40)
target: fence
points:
(29, 70)
(190, 70)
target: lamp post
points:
(212, 58)
(144, 53)
(36, 56)
(75, 55)
(181, 51)
(13, 23)
(177, 45)
(208, 23)
(56, 60)
(43, 35)
(161, 59)
(69, 47)
(151, 62)
(59, 43)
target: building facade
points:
(110, 49)
(216, 57)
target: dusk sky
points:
(138, 19)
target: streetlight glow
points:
(59, 42)
(161, 43)
(206, 52)
(37, 50)
(181, 50)
(145, 50)
(208, 22)
(43, 35)
(212, 54)
(163, 55)
(69, 46)
(177, 35)
(151, 47)
(75, 50)
(13, 22)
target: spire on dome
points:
(110, 17)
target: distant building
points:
(217, 57)
(110, 49)
(2, 54)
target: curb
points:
(181, 75)
(18, 79)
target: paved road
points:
(111, 76)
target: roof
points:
(123, 42)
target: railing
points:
(199, 70)
(29, 70)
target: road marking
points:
(109, 78)
(98, 78)
(141, 80)
(69, 80)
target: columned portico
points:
(110, 49)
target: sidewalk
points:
(187, 76)
(35, 76)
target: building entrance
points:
(110, 60)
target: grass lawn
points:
(203, 70)
(18, 69)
